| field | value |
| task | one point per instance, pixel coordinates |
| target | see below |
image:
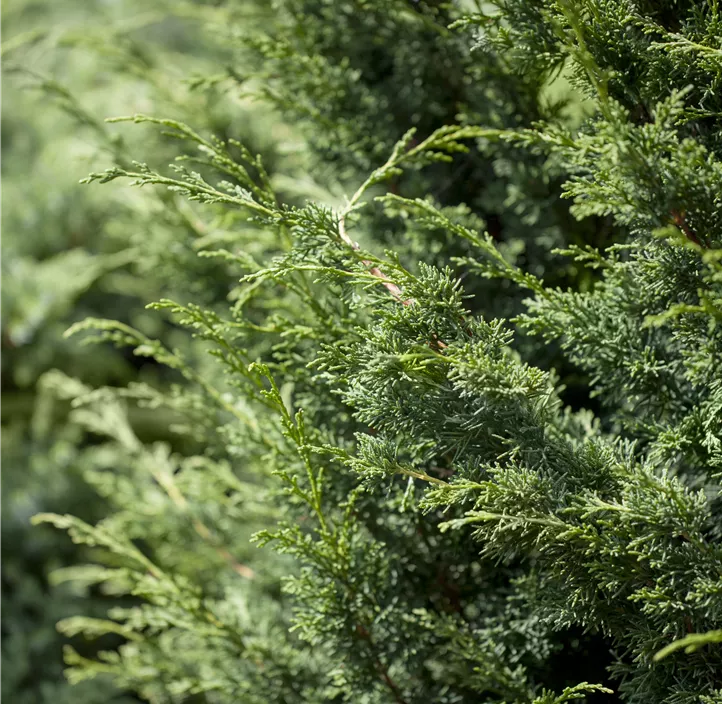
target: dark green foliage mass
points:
(442, 367)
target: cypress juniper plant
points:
(386, 418)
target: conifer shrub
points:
(457, 436)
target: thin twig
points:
(681, 223)
(365, 634)
(174, 493)
(374, 270)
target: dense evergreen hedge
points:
(439, 374)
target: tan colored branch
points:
(174, 493)
(374, 270)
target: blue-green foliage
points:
(70, 252)
(435, 516)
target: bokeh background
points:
(70, 251)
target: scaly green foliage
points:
(437, 518)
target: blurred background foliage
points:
(70, 251)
